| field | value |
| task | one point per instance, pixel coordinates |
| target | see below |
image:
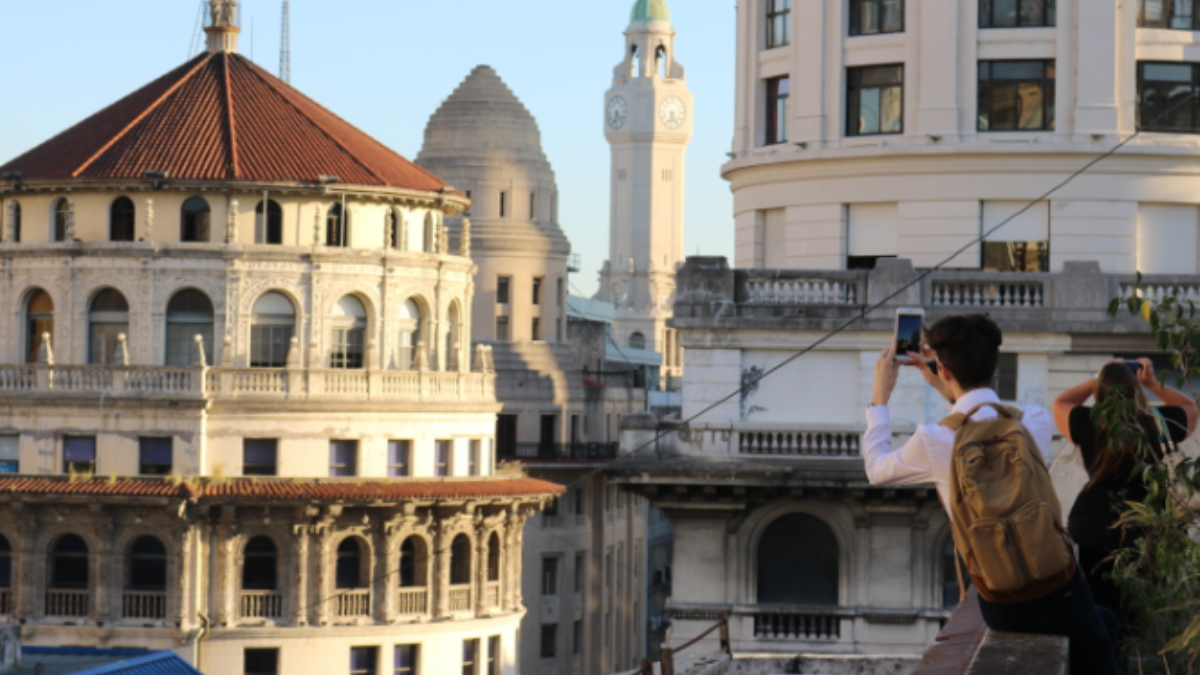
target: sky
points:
(385, 66)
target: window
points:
(148, 565)
(260, 457)
(503, 285)
(577, 638)
(154, 456)
(537, 291)
(5, 569)
(470, 199)
(349, 573)
(473, 453)
(15, 222)
(79, 454)
(549, 640)
(442, 459)
(872, 17)
(39, 319)
(502, 329)
(412, 562)
(1163, 97)
(637, 341)
(1016, 95)
(798, 562)
(260, 662)
(1005, 380)
(580, 501)
(1023, 13)
(779, 23)
(120, 220)
(62, 214)
(536, 330)
(470, 656)
(336, 227)
(608, 568)
(580, 571)
(189, 314)
(272, 324)
(950, 590)
(778, 92)
(69, 563)
(875, 100)
(532, 205)
(429, 236)
(493, 657)
(410, 334)
(506, 436)
(363, 660)
(399, 458)
(10, 454)
(493, 561)
(268, 227)
(349, 323)
(406, 659)
(549, 576)
(503, 204)
(1016, 256)
(108, 320)
(343, 458)
(195, 218)
(460, 560)
(259, 568)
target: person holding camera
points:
(1112, 476)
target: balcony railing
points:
(786, 625)
(354, 603)
(262, 605)
(793, 442)
(412, 601)
(829, 290)
(144, 605)
(491, 599)
(68, 603)
(558, 452)
(460, 598)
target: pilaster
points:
(300, 563)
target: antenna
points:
(285, 45)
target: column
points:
(385, 561)
(300, 585)
(441, 571)
(105, 584)
(325, 572)
(177, 599)
(228, 584)
(30, 571)
(480, 580)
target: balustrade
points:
(801, 292)
(800, 442)
(491, 599)
(18, 378)
(1156, 291)
(262, 605)
(460, 598)
(67, 603)
(353, 382)
(144, 605)
(354, 603)
(412, 601)
(785, 625)
(159, 380)
(260, 381)
(987, 293)
(401, 384)
(83, 378)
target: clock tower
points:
(648, 122)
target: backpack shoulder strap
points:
(954, 422)
(957, 420)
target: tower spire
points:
(223, 27)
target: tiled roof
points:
(219, 117)
(280, 489)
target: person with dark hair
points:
(1112, 476)
(959, 360)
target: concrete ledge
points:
(1020, 654)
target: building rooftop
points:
(88, 661)
(650, 10)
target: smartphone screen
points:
(1133, 365)
(908, 333)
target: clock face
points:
(617, 112)
(672, 112)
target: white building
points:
(237, 401)
(874, 139)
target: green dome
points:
(650, 10)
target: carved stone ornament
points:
(224, 13)
(233, 224)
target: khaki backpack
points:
(1007, 520)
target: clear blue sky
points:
(385, 66)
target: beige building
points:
(239, 413)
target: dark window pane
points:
(155, 456)
(349, 564)
(260, 456)
(363, 660)
(549, 640)
(343, 457)
(70, 563)
(875, 100)
(148, 565)
(259, 567)
(406, 660)
(798, 562)
(260, 662)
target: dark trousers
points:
(1069, 611)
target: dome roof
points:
(220, 117)
(650, 10)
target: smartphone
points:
(910, 330)
(1133, 365)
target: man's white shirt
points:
(925, 457)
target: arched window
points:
(108, 319)
(660, 64)
(637, 341)
(337, 228)
(453, 337)
(410, 334)
(635, 59)
(195, 219)
(350, 560)
(62, 212)
(950, 590)
(429, 237)
(69, 563)
(272, 324)
(5, 569)
(16, 222)
(39, 320)
(412, 562)
(460, 560)
(349, 323)
(798, 562)
(120, 220)
(260, 566)
(189, 313)
(148, 565)
(268, 228)
(493, 568)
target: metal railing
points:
(144, 605)
(354, 603)
(68, 603)
(412, 601)
(262, 605)
(558, 452)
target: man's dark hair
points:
(969, 346)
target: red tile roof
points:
(220, 117)
(280, 489)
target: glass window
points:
(260, 456)
(470, 657)
(1021, 13)
(503, 204)
(5, 569)
(194, 219)
(1016, 256)
(1005, 380)
(549, 640)
(189, 313)
(79, 454)
(399, 458)
(154, 456)
(107, 321)
(412, 562)
(260, 662)
(875, 100)
(493, 657)
(790, 573)
(349, 323)
(343, 458)
(363, 660)
(148, 565)
(549, 576)
(429, 238)
(406, 660)
(637, 341)
(473, 457)
(460, 560)
(779, 23)
(62, 212)
(336, 227)
(69, 563)
(577, 638)
(502, 329)
(442, 451)
(120, 222)
(272, 324)
(39, 317)
(259, 567)
(349, 564)
(872, 17)
(536, 330)
(537, 291)
(268, 228)
(1163, 97)
(16, 221)
(1016, 95)
(410, 334)
(580, 571)
(502, 289)
(493, 560)
(778, 92)
(10, 454)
